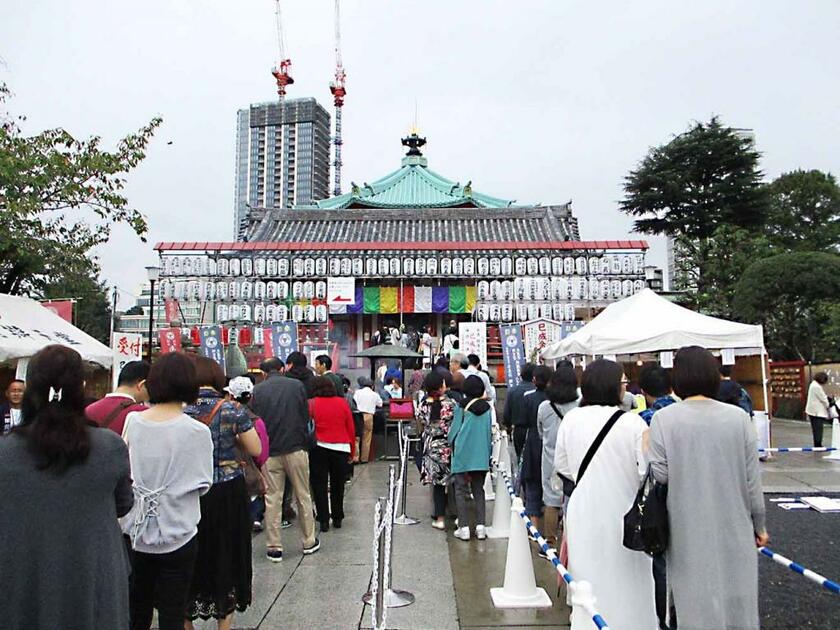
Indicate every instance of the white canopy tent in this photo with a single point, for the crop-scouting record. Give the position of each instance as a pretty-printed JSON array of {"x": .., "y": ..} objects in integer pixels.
[
  {"x": 647, "y": 322},
  {"x": 26, "y": 327}
]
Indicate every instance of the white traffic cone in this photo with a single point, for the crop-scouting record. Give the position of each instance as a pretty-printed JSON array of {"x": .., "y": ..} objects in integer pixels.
[
  {"x": 489, "y": 493},
  {"x": 504, "y": 455},
  {"x": 501, "y": 510},
  {"x": 835, "y": 441},
  {"x": 520, "y": 588}
]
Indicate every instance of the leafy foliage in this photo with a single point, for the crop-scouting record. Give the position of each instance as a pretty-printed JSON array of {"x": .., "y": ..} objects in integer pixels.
[
  {"x": 804, "y": 212},
  {"x": 794, "y": 295},
  {"x": 59, "y": 198}
]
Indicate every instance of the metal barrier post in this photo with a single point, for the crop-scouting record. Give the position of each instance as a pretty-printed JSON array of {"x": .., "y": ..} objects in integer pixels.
[
  {"x": 394, "y": 598},
  {"x": 403, "y": 518}
]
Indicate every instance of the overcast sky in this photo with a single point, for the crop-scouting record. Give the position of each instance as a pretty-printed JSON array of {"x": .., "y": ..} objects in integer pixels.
[{"x": 534, "y": 101}]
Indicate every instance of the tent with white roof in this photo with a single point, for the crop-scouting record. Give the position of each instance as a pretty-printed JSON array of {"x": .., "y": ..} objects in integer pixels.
[{"x": 26, "y": 327}]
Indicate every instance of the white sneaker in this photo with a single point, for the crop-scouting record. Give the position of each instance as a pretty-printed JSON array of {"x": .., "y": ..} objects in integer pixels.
[
  {"x": 480, "y": 532},
  {"x": 439, "y": 525},
  {"x": 462, "y": 533}
]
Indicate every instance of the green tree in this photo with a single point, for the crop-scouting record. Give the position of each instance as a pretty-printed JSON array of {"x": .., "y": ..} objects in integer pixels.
[
  {"x": 702, "y": 181},
  {"x": 59, "y": 198},
  {"x": 794, "y": 295},
  {"x": 804, "y": 212},
  {"x": 92, "y": 311}
]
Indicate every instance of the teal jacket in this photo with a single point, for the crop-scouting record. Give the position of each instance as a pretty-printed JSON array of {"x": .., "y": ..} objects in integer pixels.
[{"x": 471, "y": 438}]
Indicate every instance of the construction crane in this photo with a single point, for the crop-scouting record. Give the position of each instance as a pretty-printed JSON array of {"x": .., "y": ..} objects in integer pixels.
[
  {"x": 338, "y": 91},
  {"x": 282, "y": 75}
]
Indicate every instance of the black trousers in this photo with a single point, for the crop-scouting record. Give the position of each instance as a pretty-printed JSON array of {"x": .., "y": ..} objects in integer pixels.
[
  {"x": 163, "y": 579},
  {"x": 519, "y": 435},
  {"x": 438, "y": 501},
  {"x": 328, "y": 465},
  {"x": 817, "y": 424}
]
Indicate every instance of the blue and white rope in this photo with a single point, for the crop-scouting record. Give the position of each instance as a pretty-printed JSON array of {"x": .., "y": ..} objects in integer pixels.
[
  {"x": 832, "y": 586},
  {"x": 802, "y": 449},
  {"x": 550, "y": 553}
]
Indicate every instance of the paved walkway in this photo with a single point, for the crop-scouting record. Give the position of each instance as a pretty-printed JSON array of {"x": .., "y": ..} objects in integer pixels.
[{"x": 450, "y": 578}]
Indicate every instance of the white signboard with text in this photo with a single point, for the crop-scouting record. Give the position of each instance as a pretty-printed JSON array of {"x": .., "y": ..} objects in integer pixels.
[
  {"x": 341, "y": 291},
  {"x": 538, "y": 334},
  {"x": 126, "y": 347},
  {"x": 472, "y": 339}
]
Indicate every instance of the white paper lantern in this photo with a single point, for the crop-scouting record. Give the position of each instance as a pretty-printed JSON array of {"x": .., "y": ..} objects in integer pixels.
[
  {"x": 309, "y": 266},
  {"x": 469, "y": 266},
  {"x": 495, "y": 266},
  {"x": 594, "y": 266},
  {"x": 557, "y": 266},
  {"x": 270, "y": 290},
  {"x": 431, "y": 267},
  {"x": 408, "y": 266},
  {"x": 494, "y": 313},
  {"x": 520, "y": 266},
  {"x": 283, "y": 267},
  {"x": 222, "y": 266},
  {"x": 321, "y": 290},
  {"x": 545, "y": 311},
  {"x": 495, "y": 289},
  {"x": 420, "y": 266},
  {"x": 481, "y": 313},
  {"x": 446, "y": 266},
  {"x": 507, "y": 312},
  {"x": 519, "y": 289},
  {"x": 309, "y": 313},
  {"x": 245, "y": 313},
  {"x": 165, "y": 288},
  {"x": 358, "y": 266},
  {"x": 638, "y": 285},
  {"x": 457, "y": 266},
  {"x": 271, "y": 267},
  {"x": 247, "y": 267},
  {"x": 165, "y": 266},
  {"x": 185, "y": 266},
  {"x": 297, "y": 267},
  {"x": 577, "y": 293},
  {"x": 606, "y": 292},
  {"x": 483, "y": 267},
  {"x": 533, "y": 266},
  {"x": 282, "y": 313},
  {"x": 212, "y": 267},
  {"x": 308, "y": 290},
  {"x": 564, "y": 287},
  {"x": 482, "y": 290},
  {"x": 247, "y": 291},
  {"x": 271, "y": 313},
  {"x": 639, "y": 264},
  {"x": 283, "y": 288},
  {"x": 221, "y": 312},
  {"x": 580, "y": 265},
  {"x": 235, "y": 266},
  {"x": 394, "y": 266},
  {"x": 506, "y": 291},
  {"x": 321, "y": 313},
  {"x": 545, "y": 266},
  {"x": 615, "y": 265},
  {"x": 320, "y": 266},
  {"x": 335, "y": 266},
  {"x": 533, "y": 311},
  {"x": 370, "y": 266},
  {"x": 530, "y": 286},
  {"x": 234, "y": 290},
  {"x": 259, "y": 314},
  {"x": 347, "y": 267},
  {"x": 626, "y": 265},
  {"x": 297, "y": 290},
  {"x": 221, "y": 290},
  {"x": 627, "y": 288},
  {"x": 568, "y": 266},
  {"x": 605, "y": 265},
  {"x": 594, "y": 289},
  {"x": 259, "y": 290},
  {"x": 615, "y": 288},
  {"x": 558, "y": 312},
  {"x": 259, "y": 268},
  {"x": 297, "y": 313},
  {"x": 570, "y": 312},
  {"x": 382, "y": 266}
]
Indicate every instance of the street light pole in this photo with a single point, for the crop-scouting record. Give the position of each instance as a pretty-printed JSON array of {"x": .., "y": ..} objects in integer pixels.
[{"x": 153, "y": 275}]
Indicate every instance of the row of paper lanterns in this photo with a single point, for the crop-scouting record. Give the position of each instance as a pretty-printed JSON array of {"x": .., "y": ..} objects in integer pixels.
[
  {"x": 519, "y": 289},
  {"x": 611, "y": 264},
  {"x": 260, "y": 313}
]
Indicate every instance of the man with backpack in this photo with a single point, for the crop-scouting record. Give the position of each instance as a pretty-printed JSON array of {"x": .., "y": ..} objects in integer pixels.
[
  {"x": 732, "y": 393},
  {"x": 131, "y": 395}
]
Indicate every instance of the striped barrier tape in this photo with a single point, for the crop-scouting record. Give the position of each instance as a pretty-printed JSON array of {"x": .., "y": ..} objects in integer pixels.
[
  {"x": 550, "y": 552},
  {"x": 832, "y": 586},
  {"x": 798, "y": 449}
]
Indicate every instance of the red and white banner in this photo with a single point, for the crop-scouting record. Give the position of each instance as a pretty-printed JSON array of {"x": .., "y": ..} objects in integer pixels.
[
  {"x": 64, "y": 309},
  {"x": 173, "y": 310},
  {"x": 126, "y": 347},
  {"x": 170, "y": 340}
]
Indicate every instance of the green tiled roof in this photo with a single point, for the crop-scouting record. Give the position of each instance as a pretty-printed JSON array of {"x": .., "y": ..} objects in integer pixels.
[{"x": 413, "y": 186}]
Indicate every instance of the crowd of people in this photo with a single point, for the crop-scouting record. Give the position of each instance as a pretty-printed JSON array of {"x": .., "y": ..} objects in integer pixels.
[{"x": 159, "y": 485}]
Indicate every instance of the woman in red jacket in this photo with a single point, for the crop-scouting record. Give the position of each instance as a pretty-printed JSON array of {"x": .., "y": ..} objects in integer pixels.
[{"x": 335, "y": 435}]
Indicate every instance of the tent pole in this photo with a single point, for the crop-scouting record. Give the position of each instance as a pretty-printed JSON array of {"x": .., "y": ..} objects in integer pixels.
[{"x": 764, "y": 383}]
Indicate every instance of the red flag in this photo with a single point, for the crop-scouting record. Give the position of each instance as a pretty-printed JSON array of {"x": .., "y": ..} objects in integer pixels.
[
  {"x": 195, "y": 336},
  {"x": 64, "y": 309},
  {"x": 173, "y": 310},
  {"x": 268, "y": 350},
  {"x": 170, "y": 340},
  {"x": 407, "y": 300}
]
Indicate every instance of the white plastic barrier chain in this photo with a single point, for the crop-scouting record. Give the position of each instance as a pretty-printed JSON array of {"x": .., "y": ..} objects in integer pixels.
[
  {"x": 586, "y": 603},
  {"x": 832, "y": 586},
  {"x": 803, "y": 449}
]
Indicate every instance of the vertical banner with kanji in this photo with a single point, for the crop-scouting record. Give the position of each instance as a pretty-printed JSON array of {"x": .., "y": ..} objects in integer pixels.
[
  {"x": 540, "y": 333},
  {"x": 126, "y": 347},
  {"x": 513, "y": 352},
  {"x": 211, "y": 344},
  {"x": 170, "y": 340},
  {"x": 472, "y": 339},
  {"x": 173, "y": 310},
  {"x": 284, "y": 339}
]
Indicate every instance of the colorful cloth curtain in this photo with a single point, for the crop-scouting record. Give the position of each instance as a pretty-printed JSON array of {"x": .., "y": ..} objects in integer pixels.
[
  {"x": 440, "y": 299},
  {"x": 422, "y": 299},
  {"x": 389, "y": 300},
  {"x": 372, "y": 301}
]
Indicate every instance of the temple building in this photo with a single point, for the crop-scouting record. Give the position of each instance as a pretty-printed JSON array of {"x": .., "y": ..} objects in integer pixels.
[{"x": 412, "y": 248}]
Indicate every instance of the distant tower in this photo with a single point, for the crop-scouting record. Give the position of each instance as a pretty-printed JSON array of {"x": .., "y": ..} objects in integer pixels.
[{"x": 338, "y": 92}]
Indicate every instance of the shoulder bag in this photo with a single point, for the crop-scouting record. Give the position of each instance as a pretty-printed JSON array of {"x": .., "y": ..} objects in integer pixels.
[
  {"x": 568, "y": 484},
  {"x": 592, "y": 450},
  {"x": 646, "y": 524},
  {"x": 121, "y": 406}
]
